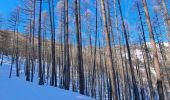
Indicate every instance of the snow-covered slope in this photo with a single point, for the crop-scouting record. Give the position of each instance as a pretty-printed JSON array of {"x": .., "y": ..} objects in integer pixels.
[{"x": 18, "y": 89}]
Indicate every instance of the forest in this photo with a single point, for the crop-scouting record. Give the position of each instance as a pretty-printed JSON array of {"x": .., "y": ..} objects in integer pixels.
[{"x": 103, "y": 49}]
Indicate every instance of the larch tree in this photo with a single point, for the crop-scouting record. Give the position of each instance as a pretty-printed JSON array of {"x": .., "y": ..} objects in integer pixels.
[
  {"x": 14, "y": 22},
  {"x": 53, "y": 81},
  {"x": 155, "y": 54},
  {"x": 79, "y": 46},
  {"x": 40, "y": 73},
  {"x": 110, "y": 66},
  {"x": 66, "y": 48}
]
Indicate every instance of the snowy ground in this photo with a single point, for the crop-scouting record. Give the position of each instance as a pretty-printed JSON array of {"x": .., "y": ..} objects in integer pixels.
[{"x": 18, "y": 89}]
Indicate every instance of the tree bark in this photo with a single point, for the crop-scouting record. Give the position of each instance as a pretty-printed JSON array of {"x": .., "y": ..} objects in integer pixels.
[
  {"x": 109, "y": 53},
  {"x": 154, "y": 50}
]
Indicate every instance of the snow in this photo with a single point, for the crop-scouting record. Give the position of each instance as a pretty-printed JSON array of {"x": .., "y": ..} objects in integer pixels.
[
  {"x": 165, "y": 44},
  {"x": 139, "y": 54},
  {"x": 18, "y": 89}
]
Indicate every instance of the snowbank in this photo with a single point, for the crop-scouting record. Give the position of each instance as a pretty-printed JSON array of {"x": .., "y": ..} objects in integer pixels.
[{"x": 18, "y": 89}]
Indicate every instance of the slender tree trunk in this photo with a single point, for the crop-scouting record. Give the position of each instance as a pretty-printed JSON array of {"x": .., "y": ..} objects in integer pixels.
[
  {"x": 135, "y": 88},
  {"x": 39, "y": 47},
  {"x": 53, "y": 76},
  {"x": 147, "y": 68},
  {"x": 155, "y": 55},
  {"x": 109, "y": 53},
  {"x": 66, "y": 48},
  {"x": 33, "y": 34},
  {"x": 79, "y": 47}
]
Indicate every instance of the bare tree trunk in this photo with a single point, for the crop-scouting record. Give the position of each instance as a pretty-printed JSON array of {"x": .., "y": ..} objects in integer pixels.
[
  {"x": 66, "y": 48},
  {"x": 79, "y": 47},
  {"x": 53, "y": 76},
  {"x": 39, "y": 47},
  {"x": 109, "y": 53},
  {"x": 155, "y": 55},
  {"x": 17, "y": 48},
  {"x": 33, "y": 34},
  {"x": 135, "y": 88},
  {"x": 147, "y": 68}
]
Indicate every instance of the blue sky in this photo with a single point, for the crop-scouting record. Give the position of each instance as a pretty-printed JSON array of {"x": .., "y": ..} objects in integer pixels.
[{"x": 6, "y": 6}]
